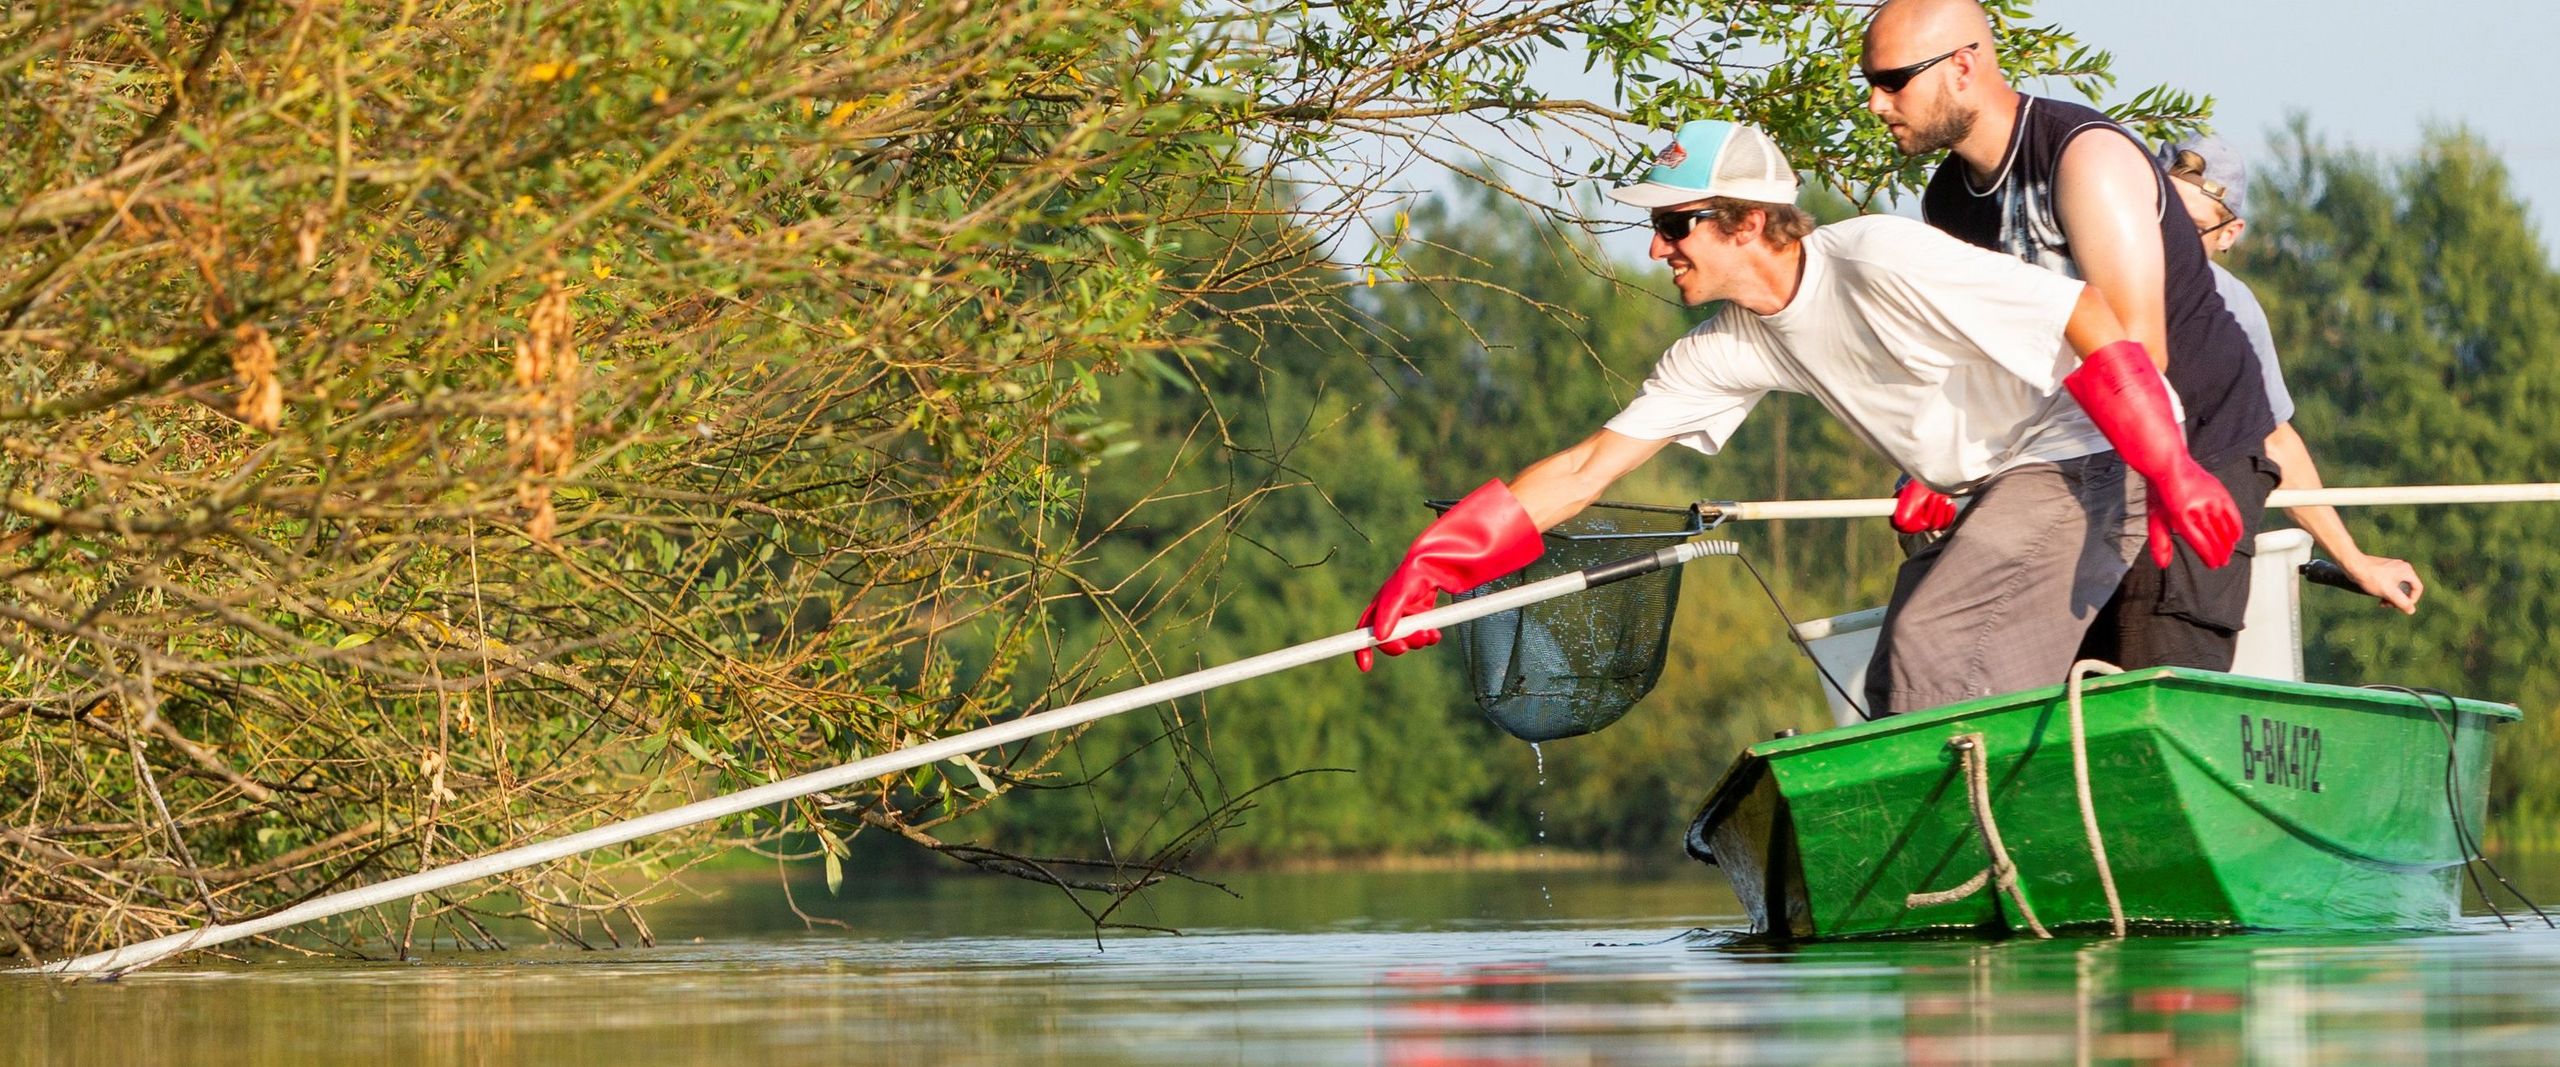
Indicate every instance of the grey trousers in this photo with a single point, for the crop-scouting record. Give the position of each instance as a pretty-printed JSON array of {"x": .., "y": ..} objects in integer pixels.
[{"x": 2001, "y": 602}]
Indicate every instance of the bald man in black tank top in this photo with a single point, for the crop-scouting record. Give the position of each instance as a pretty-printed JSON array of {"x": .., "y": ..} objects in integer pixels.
[{"x": 2061, "y": 186}]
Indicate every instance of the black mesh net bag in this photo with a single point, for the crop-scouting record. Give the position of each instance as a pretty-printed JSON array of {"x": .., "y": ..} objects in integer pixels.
[{"x": 1571, "y": 665}]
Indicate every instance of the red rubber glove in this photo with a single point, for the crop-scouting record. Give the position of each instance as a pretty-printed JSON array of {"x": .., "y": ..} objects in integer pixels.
[
  {"x": 2125, "y": 395},
  {"x": 1481, "y": 538},
  {"x": 1920, "y": 509}
]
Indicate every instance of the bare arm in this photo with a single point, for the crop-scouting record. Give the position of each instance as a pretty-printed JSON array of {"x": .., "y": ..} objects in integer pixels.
[
  {"x": 2093, "y": 324},
  {"x": 1560, "y": 486},
  {"x": 2108, "y": 198},
  {"x": 2381, "y": 576}
]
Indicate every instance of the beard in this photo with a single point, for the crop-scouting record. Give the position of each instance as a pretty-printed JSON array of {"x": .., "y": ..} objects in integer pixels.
[{"x": 1940, "y": 134}]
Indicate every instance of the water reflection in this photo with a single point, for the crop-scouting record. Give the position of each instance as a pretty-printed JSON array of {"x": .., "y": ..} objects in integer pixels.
[{"x": 1416, "y": 969}]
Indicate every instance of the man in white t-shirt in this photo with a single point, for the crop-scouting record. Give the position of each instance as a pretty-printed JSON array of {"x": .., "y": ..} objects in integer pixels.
[{"x": 1951, "y": 361}]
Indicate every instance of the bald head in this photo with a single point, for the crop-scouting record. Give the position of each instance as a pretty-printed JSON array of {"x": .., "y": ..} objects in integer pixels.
[
  {"x": 1933, "y": 70},
  {"x": 1908, "y": 31}
]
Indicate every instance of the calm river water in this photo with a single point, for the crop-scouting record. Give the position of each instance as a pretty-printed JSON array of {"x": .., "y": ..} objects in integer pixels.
[{"x": 1421, "y": 968}]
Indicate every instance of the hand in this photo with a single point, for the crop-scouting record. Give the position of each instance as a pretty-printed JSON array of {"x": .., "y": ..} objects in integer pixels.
[
  {"x": 2189, "y": 501},
  {"x": 1407, "y": 592},
  {"x": 1920, "y": 509},
  {"x": 2129, "y": 401},
  {"x": 2392, "y": 581},
  {"x": 1481, "y": 538}
]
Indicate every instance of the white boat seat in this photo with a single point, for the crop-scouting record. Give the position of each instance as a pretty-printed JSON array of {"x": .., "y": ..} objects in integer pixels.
[{"x": 2270, "y": 643}]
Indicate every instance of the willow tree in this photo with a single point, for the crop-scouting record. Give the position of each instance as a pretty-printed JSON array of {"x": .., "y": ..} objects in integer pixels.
[{"x": 435, "y": 425}]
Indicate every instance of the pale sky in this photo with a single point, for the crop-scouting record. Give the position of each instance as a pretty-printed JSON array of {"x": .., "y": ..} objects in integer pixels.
[{"x": 2367, "y": 74}]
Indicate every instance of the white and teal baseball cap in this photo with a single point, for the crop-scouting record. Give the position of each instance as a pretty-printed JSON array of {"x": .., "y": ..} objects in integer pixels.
[{"x": 1712, "y": 157}]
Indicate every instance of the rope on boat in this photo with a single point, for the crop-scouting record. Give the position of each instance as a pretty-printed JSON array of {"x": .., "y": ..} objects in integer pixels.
[
  {"x": 1970, "y": 887},
  {"x": 1977, "y": 785},
  {"x": 1977, "y": 782},
  {"x": 2080, "y": 671}
]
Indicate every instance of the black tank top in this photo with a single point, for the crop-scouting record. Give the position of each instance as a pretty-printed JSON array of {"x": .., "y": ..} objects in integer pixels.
[{"x": 2210, "y": 362}]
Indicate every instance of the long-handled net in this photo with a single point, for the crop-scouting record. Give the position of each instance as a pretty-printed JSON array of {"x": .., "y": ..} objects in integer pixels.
[
  {"x": 1573, "y": 665},
  {"x": 1631, "y": 568}
]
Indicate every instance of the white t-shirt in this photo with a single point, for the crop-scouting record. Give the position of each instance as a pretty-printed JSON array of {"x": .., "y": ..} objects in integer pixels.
[{"x": 1946, "y": 358}]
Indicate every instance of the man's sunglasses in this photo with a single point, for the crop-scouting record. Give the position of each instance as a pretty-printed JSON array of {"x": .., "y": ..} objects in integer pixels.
[
  {"x": 1677, "y": 225},
  {"x": 1898, "y": 78},
  {"x": 2188, "y": 166}
]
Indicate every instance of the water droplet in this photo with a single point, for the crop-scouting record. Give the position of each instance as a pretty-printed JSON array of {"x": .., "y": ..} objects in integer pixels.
[{"x": 1542, "y": 825}]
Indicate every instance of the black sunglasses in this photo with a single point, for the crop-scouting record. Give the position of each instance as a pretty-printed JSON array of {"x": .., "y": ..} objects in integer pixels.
[
  {"x": 1677, "y": 225},
  {"x": 1896, "y": 79},
  {"x": 2188, "y": 167}
]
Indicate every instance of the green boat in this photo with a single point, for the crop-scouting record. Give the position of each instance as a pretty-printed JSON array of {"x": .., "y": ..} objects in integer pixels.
[{"x": 2220, "y": 802}]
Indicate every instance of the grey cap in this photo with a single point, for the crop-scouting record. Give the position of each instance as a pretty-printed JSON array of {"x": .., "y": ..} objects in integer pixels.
[{"x": 2223, "y": 177}]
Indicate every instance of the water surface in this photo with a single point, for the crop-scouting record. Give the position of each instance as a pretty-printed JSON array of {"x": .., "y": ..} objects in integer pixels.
[{"x": 1415, "y": 968}]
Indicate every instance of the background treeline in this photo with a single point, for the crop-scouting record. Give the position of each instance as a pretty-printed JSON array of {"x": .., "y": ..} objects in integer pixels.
[{"x": 2410, "y": 297}]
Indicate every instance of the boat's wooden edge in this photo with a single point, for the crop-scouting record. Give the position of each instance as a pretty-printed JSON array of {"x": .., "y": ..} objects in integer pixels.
[{"x": 1737, "y": 782}]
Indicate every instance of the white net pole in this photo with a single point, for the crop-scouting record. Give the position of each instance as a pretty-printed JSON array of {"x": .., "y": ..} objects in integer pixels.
[
  {"x": 2373, "y": 496},
  {"x": 114, "y": 961}
]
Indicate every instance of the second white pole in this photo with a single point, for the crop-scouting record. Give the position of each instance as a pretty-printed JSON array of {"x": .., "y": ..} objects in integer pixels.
[{"x": 2369, "y": 496}]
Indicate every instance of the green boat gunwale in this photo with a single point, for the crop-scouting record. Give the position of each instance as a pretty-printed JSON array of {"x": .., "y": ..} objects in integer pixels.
[{"x": 2183, "y": 676}]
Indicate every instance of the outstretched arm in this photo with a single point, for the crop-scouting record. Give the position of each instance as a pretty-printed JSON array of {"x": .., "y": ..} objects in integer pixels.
[
  {"x": 2094, "y": 323},
  {"x": 2392, "y": 581},
  {"x": 1494, "y": 531},
  {"x": 1560, "y": 486}
]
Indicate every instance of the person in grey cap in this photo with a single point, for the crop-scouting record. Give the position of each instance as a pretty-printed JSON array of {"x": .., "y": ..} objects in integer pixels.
[
  {"x": 2212, "y": 183},
  {"x": 1970, "y": 370}
]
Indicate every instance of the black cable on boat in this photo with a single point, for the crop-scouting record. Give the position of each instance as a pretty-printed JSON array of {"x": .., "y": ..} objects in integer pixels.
[
  {"x": 1772, "y": 594},
  {"x": 2461, "y": 825},
  {"x": 2453, "y": 800},
  {"x": 2472, "y": 852}
]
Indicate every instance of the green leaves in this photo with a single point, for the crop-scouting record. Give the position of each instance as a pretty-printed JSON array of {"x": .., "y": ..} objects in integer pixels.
[
  {"x": 833, "y": 851},
  {"x": 977, "y": 774}
]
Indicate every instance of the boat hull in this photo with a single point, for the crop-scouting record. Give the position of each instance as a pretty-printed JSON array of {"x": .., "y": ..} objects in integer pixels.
[{"x": 2225, "y": 802}]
